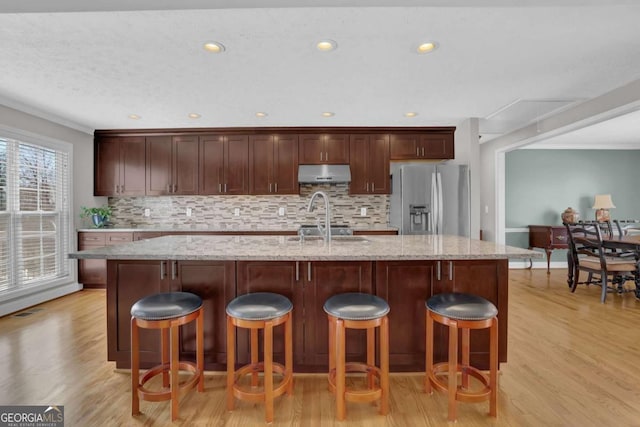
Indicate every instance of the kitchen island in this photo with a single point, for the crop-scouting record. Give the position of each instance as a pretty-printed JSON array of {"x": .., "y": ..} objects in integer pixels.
[{"x": 404, "y": 270}]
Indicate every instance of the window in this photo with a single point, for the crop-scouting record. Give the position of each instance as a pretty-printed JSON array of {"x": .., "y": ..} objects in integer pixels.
[{"x": 34, "y": 215}]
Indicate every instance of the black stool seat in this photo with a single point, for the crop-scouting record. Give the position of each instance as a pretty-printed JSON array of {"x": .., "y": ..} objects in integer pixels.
[
  {"x": 356, "y": 306},
  {"x": 166, "y": 306},
  {"x": 462, "y": 306},
  {"x": 259, "y": 306}
]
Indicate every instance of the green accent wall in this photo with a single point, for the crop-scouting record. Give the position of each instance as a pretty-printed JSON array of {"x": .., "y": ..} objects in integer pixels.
[{"x": 541, "y": 184}]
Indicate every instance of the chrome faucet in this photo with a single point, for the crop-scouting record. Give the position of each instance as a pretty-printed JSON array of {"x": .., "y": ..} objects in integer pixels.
[{"x": 326, "y": 230}]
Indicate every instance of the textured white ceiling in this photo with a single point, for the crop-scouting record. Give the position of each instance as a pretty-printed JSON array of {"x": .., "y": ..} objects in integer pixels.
[{"x": 93, "y": 69}]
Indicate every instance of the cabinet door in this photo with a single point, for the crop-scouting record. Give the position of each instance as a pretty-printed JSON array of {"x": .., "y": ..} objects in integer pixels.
[
  {"x": 485, "y": 278},
  {"x": 211, "y": 164},
  {"x": 159, "y": 165},
  {"x": 260, "y": 164},
  {"x": 92, "y": 273},
  {"x": 328, "y": 279},
  {"x": 285, "y": 165},
  {"x": 336, "y": 149},
  {"x": 279, "y": 277},
  {"x": 311, "y": 149},
  {"x": 132, "y": 166},
  {"x": 359, "y": 164},
  {"x": 107, "y": 167},
  {"x": 379, "y": 179},
  {"x": 406, "y": 286},
  {"x": 404, "y": 147},
  {"x": 236, "y": 174},
  {"x": 437, "y": 146},
  {"x": 214, "y": 282},
  {"x": 184, "y": 168}
]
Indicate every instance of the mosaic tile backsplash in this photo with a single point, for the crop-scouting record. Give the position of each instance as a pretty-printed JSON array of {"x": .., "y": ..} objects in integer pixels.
[{"x": 254, "y": 211}]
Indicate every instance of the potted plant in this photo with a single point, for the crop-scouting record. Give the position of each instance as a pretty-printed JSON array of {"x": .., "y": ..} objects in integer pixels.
[{"x": 99, "y": 215}]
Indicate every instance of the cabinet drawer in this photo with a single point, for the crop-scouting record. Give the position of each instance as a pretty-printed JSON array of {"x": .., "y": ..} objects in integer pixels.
[
  {"x": 118, "y": 238},
  {"x": 91, "y": 239},
  {"x": 559, "y": 237}
]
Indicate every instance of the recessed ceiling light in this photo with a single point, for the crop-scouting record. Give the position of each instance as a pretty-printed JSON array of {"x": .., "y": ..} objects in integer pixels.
[
  {"x": 426, "y": 47},
  {"x": 328, "y": 114},
  {"x": 261, "y": 114},
  {"x": 214, "y": 47},
  {"x": 410, "y": 114},
  {"x": 194, "y": 115},
  {"x": 134, "y": 117},
  {"x": 326, "y": 45}
]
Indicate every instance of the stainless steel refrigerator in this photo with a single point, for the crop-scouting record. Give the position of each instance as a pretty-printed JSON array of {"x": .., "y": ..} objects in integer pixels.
[{"x": 430, "y": 199}]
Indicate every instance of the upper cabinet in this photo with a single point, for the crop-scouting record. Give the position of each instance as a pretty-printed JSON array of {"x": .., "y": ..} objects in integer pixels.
[
  {"x": 273, "y": 164},
  {"x": 369, "y": 162},
  {"x": 432, "y": 145},
  {"x": 119, "y": 168},
  {"x": 317, "y": 149},
  {"x": 224, "y": 164},
  {"x": 172, "y": 165}
]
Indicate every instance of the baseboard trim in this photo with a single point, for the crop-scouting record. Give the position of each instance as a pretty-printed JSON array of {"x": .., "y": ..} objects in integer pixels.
[
  {"x": 37, "y": 297},
  {"x": 524, "y": 263}
]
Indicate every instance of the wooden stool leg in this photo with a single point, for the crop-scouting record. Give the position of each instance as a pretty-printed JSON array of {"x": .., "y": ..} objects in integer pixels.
[
  {"x": 200, "y": 348},
  {"x": 288, "y": 351},
  {"x": 453, "y": 369},
  {"x": 371, "y": 355},
  {"x": 254, "y": 357},
  {"x": 384, "y": 365},
  {"x": 428, "y": 353},
  {"x": 493, "y": 373},
  {"x": 135, "y": 366},
  {"x": 175, "y": 386},
  {"x": 268, "y": 370},
  {"x": 465, "y": 358},
  {"x": 231, "y": 358},
  {"x": 341, "y": 411},
  {"x": 164, "y": 350},
  {"x": 332, "y": 344}
]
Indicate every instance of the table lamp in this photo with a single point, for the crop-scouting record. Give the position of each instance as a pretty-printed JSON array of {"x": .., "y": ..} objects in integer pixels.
[{"x": 602, "y": 204}]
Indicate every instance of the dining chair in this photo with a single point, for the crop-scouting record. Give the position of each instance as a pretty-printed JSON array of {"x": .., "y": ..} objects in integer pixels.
[
  {"x": 607, "y": 269},
  {"x": 627, "y": 226}
]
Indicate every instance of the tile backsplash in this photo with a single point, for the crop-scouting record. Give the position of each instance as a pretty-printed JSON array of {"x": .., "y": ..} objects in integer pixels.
[{"x": 254, "y": 211}]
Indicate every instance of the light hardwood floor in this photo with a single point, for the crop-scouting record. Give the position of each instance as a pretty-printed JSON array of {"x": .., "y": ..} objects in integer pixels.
[{"x": 572, "y": 362}]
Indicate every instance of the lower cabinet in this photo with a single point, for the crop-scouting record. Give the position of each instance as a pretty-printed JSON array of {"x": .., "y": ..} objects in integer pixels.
[
  {"x": 406, "y": 285},
  {"x": 128, "y": 281},
  {"x": 92, "y": 273},
  {"x": 307, "y": 285}
]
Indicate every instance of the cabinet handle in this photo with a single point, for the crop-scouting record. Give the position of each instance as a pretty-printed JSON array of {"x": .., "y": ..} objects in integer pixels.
[
  {"x": 115, "y": 190},
  {"x": 309, "y": 271},
  {"x": 174, "y": 267},
  {"x": 451, "y": 270},
  {"x": 326, "y": 156},
  {"x": 367, "y": 187},
  {"x": 276, "y": 187},
  {"x": 297, "y": 271},
  {"x": 219, "y": 188},
  {"x": 417, "y": 151},
  {"x": 438, "y": 276},
  {"x": 225, "y": 187},
  {"x": 175, "y": 188},
  {"x": 422, "y": 151},
  {"x": 122, "y": 189},
  {"x": 162, "y": 266},
  {"x": 373, "y": 187},
  {"x": 269, "y": 187},
  {"x": 168, "y": 188},
  {"x": 321, "y": 156}
]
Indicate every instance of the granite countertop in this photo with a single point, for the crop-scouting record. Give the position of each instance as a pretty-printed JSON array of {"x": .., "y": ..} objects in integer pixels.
[
  {"x": 289, "y": 248},
  {"x": 219, "y": 229}
]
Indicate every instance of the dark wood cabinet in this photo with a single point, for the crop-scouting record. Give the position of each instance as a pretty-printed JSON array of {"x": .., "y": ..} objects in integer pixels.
[
  {"x": 224, "y": 164},
  {"x": 406, "y": 285},
  {"x": 273, "y": 164},
  {"x": 92, "y": 273},
  {"x": 128, "y": 281},
  {"x": 315, "y": 149},
  {"x": 307, "y": 285},
  {"x": 435, "y": 145},
  {"x": 172, "y": 165},
  {"x": 549, "y": 238},
  {"x": 369, "y": 162},
  {"x": 119, "y": 166}
]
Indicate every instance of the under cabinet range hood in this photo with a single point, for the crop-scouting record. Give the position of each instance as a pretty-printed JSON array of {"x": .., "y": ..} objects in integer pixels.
[{"x": 324, "y": 174}]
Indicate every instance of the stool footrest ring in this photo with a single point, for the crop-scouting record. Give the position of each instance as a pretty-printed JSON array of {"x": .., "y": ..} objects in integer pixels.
[
  {"x": 359, "y": 395},
  {"x": 165, "y": 394},
  {"x": 257, "y": 394},
  {"x": 438, "y": 379}
]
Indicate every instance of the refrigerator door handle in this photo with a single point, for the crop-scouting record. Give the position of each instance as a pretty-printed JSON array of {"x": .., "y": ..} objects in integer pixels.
[
  {"x": 440, "y": 205},
  {"x": 433, "y": 217}
]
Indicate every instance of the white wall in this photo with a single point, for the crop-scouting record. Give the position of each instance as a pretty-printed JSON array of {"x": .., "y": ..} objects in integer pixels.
[
  {"x": 468, "y": 152},
  {"x": 21, "y": 123}
]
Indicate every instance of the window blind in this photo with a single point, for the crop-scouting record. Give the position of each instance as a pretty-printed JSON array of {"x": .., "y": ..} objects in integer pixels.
[{"x": 34, "y": 215}]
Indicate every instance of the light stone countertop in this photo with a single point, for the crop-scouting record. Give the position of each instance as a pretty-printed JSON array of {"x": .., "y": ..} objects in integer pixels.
[
  {"x": 289, "y": 248},
  {"x": 219, "y": 229}
]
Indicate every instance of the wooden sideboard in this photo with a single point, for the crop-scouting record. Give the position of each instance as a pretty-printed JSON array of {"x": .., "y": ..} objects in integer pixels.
[{"x": 548, "y": 237}]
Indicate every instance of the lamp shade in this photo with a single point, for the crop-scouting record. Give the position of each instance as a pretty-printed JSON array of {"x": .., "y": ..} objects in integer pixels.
[{"x": 603, "y": 201}]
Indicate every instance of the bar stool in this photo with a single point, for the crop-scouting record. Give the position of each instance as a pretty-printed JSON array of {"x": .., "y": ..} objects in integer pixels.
[
  {"x": 260, "y": 310},
  {"x": 358, "y": 311},
  {"x": 167, "y": 312},
  {"x": 465, "y": 312}
]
